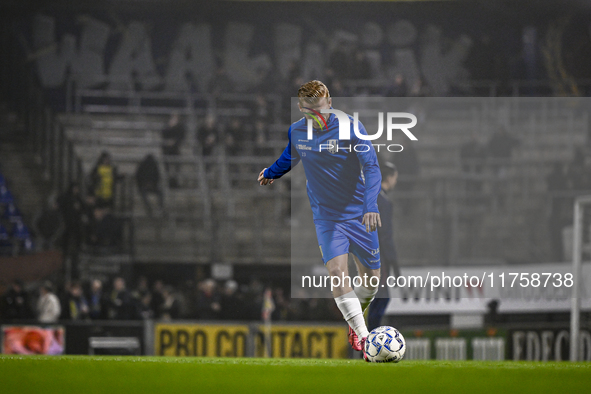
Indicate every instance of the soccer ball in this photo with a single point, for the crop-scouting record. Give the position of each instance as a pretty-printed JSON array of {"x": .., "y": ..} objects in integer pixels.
[{"x": 385, "y": 344}]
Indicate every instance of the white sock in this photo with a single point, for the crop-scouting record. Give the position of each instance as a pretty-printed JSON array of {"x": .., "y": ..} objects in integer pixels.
[
  {"x": 350, "y": 307},
  {"x": 365, "y": 295}
]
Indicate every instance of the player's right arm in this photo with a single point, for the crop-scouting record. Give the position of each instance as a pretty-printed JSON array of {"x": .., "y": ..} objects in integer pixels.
[{"x": 288, "y": 159}]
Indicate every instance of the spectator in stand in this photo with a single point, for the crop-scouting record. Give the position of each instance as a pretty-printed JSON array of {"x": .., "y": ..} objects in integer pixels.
[
  {"x": 282, "y": 309},
  {"x": 207, "y": 135},
  {"x": 231, "y": 303},
  {"x": 338, "y": 90},
  {"x": 398, "y": 88},
  {"x": 73, "y": 212},
  {"x": 121, "y": 306},
  {"x": 185, "y": 295},
  {"x": 157, "y": 297},
  {"x": 420, "y": 88},
  {"x": 254, "y": 294},
  {"x": 147, "y": 177},
  {"x": 49, "y": 224},
  {"x": 15, "y": 303},
  {"x": 48, "y": 305},
  {"x": 360, "y": 67},
  {"x": 75, "y": 306},
  {"x": 236, "y": 138},
  {"x": 170, "y": 308},
  {"x": 144, "y": 307},
  {"x": 102, "y": 179},
  {"x": 142, "y": 298},
  {"x": 208, "y": 302},
  {"x": 97, "y": 303},
  {"x": 500, "y": 149},
  {"x": 141, "y": 288},
  {"x": 172, "y": 139}
]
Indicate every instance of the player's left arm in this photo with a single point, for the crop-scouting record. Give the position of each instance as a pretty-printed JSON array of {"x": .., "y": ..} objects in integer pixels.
[{"x": 373, "y": 181}]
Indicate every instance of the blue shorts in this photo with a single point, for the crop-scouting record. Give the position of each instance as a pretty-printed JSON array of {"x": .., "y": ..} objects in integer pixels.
[{"x": 337, "y": 238}]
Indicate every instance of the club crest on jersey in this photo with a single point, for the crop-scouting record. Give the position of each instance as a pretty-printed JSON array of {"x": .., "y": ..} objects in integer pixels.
[{"x": 333, "y": 146}]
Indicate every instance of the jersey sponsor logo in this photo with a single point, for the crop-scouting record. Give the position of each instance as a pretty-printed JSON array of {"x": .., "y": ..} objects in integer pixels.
[
  {"x": 333, "y": 146},
  {"x": 229, "y": 340},
  {"x": 303, "y": 147}
]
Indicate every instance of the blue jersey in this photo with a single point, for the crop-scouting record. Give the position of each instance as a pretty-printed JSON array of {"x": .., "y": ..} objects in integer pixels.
[{"x": 342, "y": 184}]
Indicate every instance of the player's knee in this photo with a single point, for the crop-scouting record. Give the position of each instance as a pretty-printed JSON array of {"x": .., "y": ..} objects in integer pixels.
[
  {"x": 374, "y": 281},
  {"x": 335, "y": 270}
]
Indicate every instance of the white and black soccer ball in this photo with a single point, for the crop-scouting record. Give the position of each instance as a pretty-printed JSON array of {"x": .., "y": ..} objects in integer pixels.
[{"x": 385, "y": 344}]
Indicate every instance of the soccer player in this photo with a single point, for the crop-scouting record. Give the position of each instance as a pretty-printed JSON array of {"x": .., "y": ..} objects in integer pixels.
[
  {"x": 343, "y": 184},
  {"x": 389, "y": 257}
]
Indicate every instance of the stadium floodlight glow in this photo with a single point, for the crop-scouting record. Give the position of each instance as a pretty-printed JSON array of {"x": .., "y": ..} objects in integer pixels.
[{"x": 575, "y": 315}]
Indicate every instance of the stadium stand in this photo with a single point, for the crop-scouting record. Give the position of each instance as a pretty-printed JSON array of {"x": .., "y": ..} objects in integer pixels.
[{"x": 213, "y": 211}]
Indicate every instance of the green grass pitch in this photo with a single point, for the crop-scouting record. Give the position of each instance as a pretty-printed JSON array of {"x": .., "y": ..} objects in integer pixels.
[{"x": 127, "y": 374}]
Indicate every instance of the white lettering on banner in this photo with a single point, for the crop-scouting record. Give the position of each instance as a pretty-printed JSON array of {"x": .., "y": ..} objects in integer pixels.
[
  {"x": 430, "y": 298},
  {"x": 547, "y": 345},
  {"x": 134, "y": 57},
  {"x": 84, "y": 57},
  {"x": 191, "y": 56},
  {"x": 85, "y": 54}
]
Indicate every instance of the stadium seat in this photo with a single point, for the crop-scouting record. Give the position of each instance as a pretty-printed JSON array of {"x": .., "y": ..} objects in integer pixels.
[
  {"x": 20, "y": 231},
  {"x": 12, "y": 214},
  {"x": 5, "y": 195}
]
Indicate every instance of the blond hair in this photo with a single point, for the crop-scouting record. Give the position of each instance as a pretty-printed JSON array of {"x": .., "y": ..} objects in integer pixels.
[{"x": 311, "y": 92}]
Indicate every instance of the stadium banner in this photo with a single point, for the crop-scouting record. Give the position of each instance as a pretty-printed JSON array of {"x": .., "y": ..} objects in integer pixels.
[
  {"x": 152, "y": 50},
  {"x": 511, "y": 295},
  {"x": 33, "y": 340},
  {"x": 78, "y": 334},
  {"x": 289, "y": 341},
  {"x": 544, "y": 342},
  {"x": 452, "y": 344},
  {"x": 236, "y": 340},
  {"x": 201, "y": 340},
  {"x": 551, "y": 344}
]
